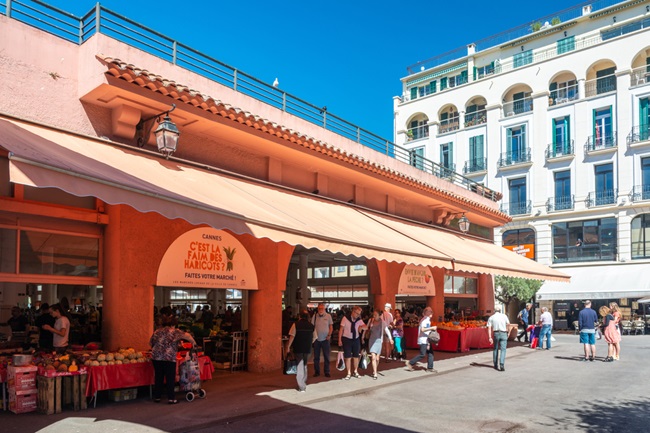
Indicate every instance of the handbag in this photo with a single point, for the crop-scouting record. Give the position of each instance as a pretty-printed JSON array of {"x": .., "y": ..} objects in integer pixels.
[
  {"x": 364, "y": 360},
  {"x": 340, "y": 362},
  {"x": 290, "y": 364},
  {"x": 433, "y": 337}
]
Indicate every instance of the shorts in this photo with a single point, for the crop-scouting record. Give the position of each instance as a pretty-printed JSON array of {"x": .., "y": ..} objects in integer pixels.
[
  {"x": 351, "y": 348},
  {"x": 587, "y": 338}
]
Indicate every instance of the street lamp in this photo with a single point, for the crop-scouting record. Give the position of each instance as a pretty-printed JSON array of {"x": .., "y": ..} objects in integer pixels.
[
  {"x": 463, "y": 224},
  {"x": 166, "y": 133}
]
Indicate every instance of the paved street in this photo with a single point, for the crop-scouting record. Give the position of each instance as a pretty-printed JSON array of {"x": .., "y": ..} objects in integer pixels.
[{"x": 540, "y": 391}]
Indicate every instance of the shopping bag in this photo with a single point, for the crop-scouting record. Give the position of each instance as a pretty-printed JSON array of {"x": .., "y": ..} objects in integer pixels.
[
  {"x": 364, "y": 360},
  {"x": 290, "y": 364},
  {"x": 340, "y": 362}
]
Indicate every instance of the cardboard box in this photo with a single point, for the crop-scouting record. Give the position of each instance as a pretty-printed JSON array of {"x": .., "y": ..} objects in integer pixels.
[
  {"x": 21, "y": 378},
  {"x": 123, "y": 394},
  {"x": 23, "y": 401}
]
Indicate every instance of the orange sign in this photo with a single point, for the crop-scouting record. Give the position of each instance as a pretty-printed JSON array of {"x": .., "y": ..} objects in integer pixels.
[
  {"x": 207, "y": 258},
  {"x": 526, "y": 250},
  {"x": 416, "y": 280}
]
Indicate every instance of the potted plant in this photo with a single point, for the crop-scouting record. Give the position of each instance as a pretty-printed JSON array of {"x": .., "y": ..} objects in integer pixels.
[
  {"x": 555, "y": 21},
  {"x": 536, "y": 26}
]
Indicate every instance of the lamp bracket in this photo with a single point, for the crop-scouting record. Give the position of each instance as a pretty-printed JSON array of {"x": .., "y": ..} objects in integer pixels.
[{"x": 144, "y": 126}]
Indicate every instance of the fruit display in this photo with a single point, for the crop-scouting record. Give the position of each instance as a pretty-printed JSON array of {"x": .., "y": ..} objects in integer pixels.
[
  {"x": 459, "y": 326},
  {"x": 122, "y": 356}
]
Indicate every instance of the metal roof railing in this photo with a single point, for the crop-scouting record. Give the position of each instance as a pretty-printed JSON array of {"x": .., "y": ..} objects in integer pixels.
[{"x": 101, "y": 20}]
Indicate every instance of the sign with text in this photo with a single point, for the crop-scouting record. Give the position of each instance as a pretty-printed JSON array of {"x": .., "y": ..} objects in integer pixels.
[
  {"x": 526, "y": 250},
  {"x": 208, "y": 258},
  {"x": 416, "y": 280}
]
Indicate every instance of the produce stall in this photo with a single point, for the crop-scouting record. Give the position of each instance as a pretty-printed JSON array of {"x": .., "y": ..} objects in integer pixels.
[{"x": 454, "y": 336}]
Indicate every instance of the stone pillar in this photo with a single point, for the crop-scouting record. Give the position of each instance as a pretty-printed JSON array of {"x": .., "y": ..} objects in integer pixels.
[
  {"x": 303, "y": 291},
  {"x": 581, "y": 88},
  {"x": 437, "y": 303},
  {"x": 485, "y": 294},
  {"x": 265, "y": 304},
  {"x": 384, "y": 279}
]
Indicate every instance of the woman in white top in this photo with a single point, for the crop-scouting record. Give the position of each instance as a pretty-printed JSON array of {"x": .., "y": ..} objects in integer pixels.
[
  {"x": 350, "y": 340},
  {"x": 425, "y": 348},
  {"x": 61, "y": 329}
]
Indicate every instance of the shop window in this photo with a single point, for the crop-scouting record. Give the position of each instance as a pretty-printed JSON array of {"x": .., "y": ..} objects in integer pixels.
[
  {"x": 339, "y": 271},
  {"x": 641, "y": 237},
  {"x": 461, "y": 285},
  {"x": 358, "y": 271},
  {"x": 580, "y": 241},
  {"x": 323, "y": 272},
  {"x": 233, "y": 294}
]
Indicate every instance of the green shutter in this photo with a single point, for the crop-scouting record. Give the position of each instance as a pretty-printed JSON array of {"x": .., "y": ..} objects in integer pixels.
[
  {"x": 432, "y": 86},
  {"x": 524, "y": 142},
  {"x": 451, "y": 155},
  {"x": 414, "y": 92},
  {"x": 509, "y": 140},
  {"x": 479, "y": 150},
  {"x": 474, "y": 73},
  {"x": 463, "y": 77},
  {"x": 443, "y": 83},
  {"x": 472, "y": 149},
  {"x": 567, "y": 134},
  {"x": 554, "y": 134},
  {"x": 644, "y": 119},
  {"x": 593, "y": 122}
]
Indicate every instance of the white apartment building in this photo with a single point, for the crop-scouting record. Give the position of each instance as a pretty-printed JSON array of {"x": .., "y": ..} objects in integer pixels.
[{"x": 555, "y": 115}]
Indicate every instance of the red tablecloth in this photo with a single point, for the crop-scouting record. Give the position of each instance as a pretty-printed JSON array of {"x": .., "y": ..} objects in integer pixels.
[
  {"x": 474, "y": 338},
  {"x": 133, "y": 375},
  {"x": 411, "y": 337},
  {"x": 449, "y": 340}
]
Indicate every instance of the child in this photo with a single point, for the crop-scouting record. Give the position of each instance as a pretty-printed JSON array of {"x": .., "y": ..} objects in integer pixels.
[{"x": 398, "y": 335}]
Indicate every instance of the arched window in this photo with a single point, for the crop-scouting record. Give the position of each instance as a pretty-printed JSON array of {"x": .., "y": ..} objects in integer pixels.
[{"x": 641, "y": 237}]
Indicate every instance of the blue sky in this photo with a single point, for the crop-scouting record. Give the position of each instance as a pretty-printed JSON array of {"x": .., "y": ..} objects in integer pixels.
[{"x": 346, "y": 55}]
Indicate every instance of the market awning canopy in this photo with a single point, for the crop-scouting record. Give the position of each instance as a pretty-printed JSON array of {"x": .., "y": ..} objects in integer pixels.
[
  {"x": 117, "y": 174},
  {"x": 626, "y": 280}
]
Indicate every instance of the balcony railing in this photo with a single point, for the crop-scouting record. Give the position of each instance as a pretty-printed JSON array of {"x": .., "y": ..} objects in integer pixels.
[
  {"x": 640, "y": 193},
  {"x": 601, "y": 198},
  {"x": 475, "y": 118},
  {"x": 517, "y": 208},
  {"x": 518, "y": 106},
  {"x": 638, "y": 134},
  {"x": 600, "y": 85},
  {"x": 514, "y": 157},
  {"x": 557, "y": 150},
  {"x": 449, "y": 125},
  {"x": 475, "y": 165},
  {"x": 563, "y": 95},
  {"x": 600, "y": 142},
  {"x": 640, "y": 76},
  {"x": 560, "y": 203},
  {"x": 418, "y": 132},
  {"x": 100, "y": 20}
]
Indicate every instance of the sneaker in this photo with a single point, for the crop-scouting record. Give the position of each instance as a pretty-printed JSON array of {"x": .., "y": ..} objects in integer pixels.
[
  {"x": 409, "y": 367},
  {"x": 502, "y": 368},
  {"x": 302, "y": 390}
]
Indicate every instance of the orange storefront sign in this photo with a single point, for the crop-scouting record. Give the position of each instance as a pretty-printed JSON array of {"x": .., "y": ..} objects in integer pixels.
[
  {"x": 416, "y": 280},
  {"x": 526, "y": 250},
  {"x": 207, "y": 258}
]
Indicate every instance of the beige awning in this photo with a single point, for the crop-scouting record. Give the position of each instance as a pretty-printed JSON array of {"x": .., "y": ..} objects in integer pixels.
[{"x": 118, "y": 174}]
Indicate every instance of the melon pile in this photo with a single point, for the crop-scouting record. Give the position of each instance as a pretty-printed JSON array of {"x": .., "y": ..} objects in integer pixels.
[{"x": 122, "y": 356}]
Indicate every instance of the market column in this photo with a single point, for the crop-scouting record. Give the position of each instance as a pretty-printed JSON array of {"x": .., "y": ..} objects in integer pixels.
[
  {"x": 437, "y": 303},
  {"x": 265, "y": 304},
  {"x": 384, "y": 280},
  {"x": 485, "y": 294}
]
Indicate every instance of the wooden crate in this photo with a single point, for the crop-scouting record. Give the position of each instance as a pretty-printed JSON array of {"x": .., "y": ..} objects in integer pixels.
[{"x": 55, "y": 392}]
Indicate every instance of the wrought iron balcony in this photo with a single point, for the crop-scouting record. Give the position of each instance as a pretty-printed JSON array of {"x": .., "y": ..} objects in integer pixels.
[
  {"x": 601, "y": 198},
  {"x": 600, "y": 142},
  {"x": 638, "y": 134},
  {"x": 475, "y": 118},
  {"x": 475, "y": 165},
  {"x": 514, "y": 157},
  {"x": 640, "y": 193},
  {"x": 563, "y": 95},
  {"x": 565, "y": 202},
  {"x": 417, "y": 133},
  {"x": 518, "y": 106},
  {"x": 448, "y": 125},
  {"x": 558, "y": 150},
  {"x": 600, "y": 85},
  {"x": 517, "y": 208}
]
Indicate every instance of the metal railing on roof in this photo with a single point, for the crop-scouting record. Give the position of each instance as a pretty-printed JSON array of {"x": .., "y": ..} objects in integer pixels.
[
  {"x": 101, "y": 20},
  {"x": 508, "y": 35}
]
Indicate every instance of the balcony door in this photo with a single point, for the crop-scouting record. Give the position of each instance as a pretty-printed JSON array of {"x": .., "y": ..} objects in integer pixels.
[
  {"x": 645, "y": 178},
  {"x": 516, "y": 142},
  {"x": 561, "y": 136},
  {"x": 517, "y": 190},
  {"x": 563, "y": 190},
  {"x": 603, "y": 133},
  {"x": 604, "y": 184}
]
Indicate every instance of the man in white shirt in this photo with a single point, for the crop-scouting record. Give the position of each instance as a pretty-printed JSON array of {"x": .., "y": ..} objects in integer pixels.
[
  {"x": 498, "y": 324},
  {"x": 546, "y": 322},
  {"x": 323, "y": 326}
]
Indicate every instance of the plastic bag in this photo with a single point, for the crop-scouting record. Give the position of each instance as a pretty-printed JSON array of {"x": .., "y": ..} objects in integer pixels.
[
  {"x": 290, "y": 364},
  {"x": 340, "y": 362},
  {"x": 364, "y": 360}
]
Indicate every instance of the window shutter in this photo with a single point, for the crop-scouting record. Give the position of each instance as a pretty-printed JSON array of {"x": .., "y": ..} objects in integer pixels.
[
  {"x": 474, "y": 73},
  {"x": 567, "y": 134},
  {"x": 442, "y": 154},
  {"x": 509, "y": 140},
  {"x": 479, "y": 151},
  {"x": 472, "y": 149},
  {"x": 554, "y": 133},
  {"x": 523, "y": 138},
  {"x": 463, "y": 77},
  {"x": 414, "y": 93},
  {"x": 451, "y": 155},
  {"x": 644, "y": 119},
  {"x": 443, "y": 83},
  {"x": 432, "y": 86}
]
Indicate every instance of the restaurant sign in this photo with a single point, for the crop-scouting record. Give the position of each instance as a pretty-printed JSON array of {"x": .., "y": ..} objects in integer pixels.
[
  {"x": 207, "y": 258},
  {"x": 416, "y": 280}
]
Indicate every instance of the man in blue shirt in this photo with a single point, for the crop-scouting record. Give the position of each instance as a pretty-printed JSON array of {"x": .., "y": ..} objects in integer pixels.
[
  {"x": 523, "y": 321},
  {"x": 586, "y": 324}
]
